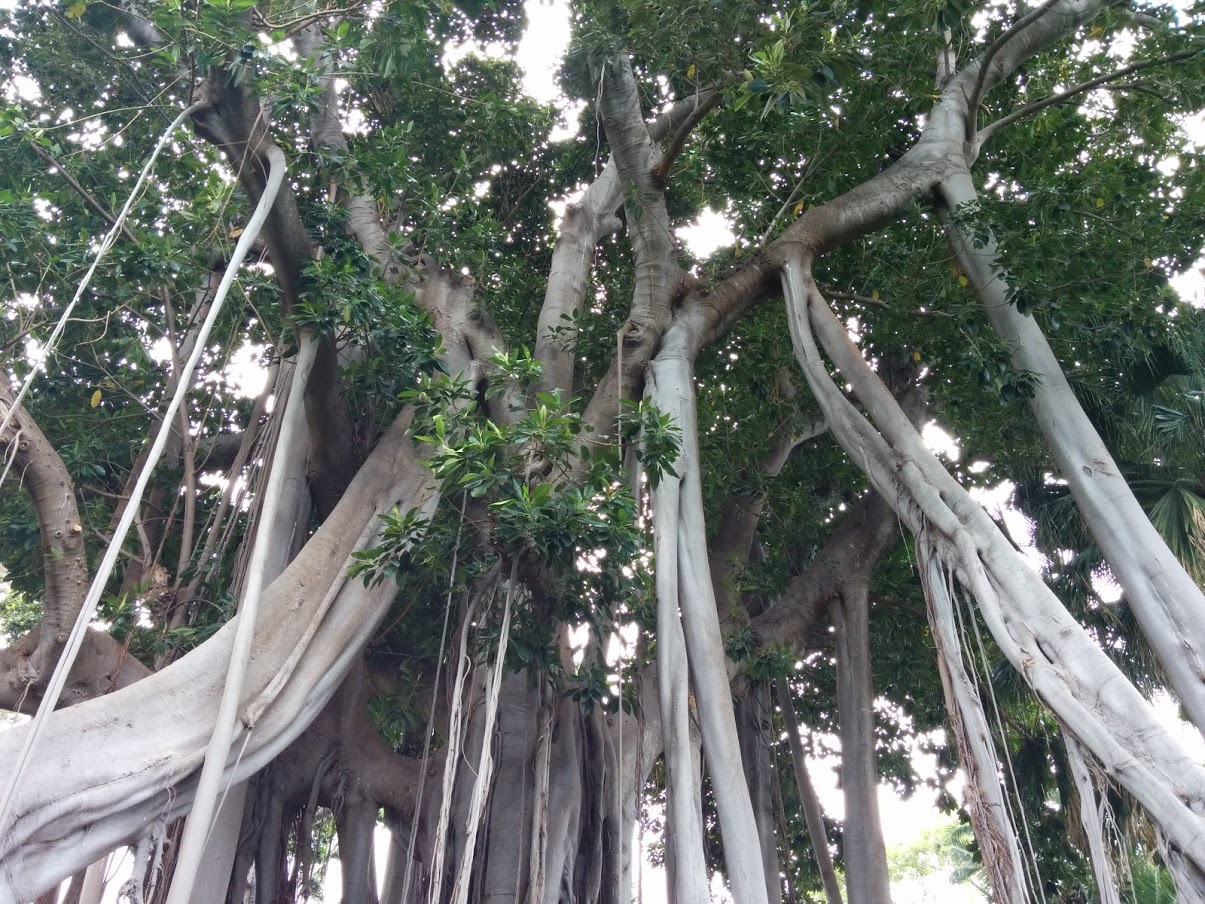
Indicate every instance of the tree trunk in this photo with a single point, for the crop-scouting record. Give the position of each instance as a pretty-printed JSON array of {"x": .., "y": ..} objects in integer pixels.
[
  {"x": 866, "y": 879},
  {"x": 672, "y": 390},
  {"x": 813, "y": 814},
  {"x": 506, "y": 845},
  {"x": 355, "y": 824},
  {"x": 753, "y": 726}
]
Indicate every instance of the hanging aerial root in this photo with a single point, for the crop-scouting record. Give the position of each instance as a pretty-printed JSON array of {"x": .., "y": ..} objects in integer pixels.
[
  {"x": 1093, "y": 821},
  {"x": 685, "y": 860},
  {"x": 986, "y": 798},
  {"x": 455, "y": 740},
  {"x": 76, "y": 638},
  {"x": 485, "y": 764},
  {"x": 1065, "y": 667}
]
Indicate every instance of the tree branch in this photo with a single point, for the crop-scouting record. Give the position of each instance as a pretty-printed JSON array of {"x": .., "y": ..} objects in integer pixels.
[
  {"x": 989, "y": 55},
  {"x": 88, "y": 197},
  {"x": 707, "y": 312},
  {"x": 867, "y": 533},
  {"x": 705, "y": 103},
  {"x": 986, "y": 133},
  {"x": 586, "y": 221},
  {"x": 50, "y": 488},
  {"x": 656, "y": 274}
]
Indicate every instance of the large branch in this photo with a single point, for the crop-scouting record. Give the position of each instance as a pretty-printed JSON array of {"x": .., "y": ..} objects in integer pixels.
[
  {"x": 233, "y": 120},
  {"x": 636, "y": 156},
  {"x": 587, "y": 220},
  {"x": 706, "y": 313},
  {"x": 868, "y": 531},
  {"x": 985, "y": 134},
  {"x": 44, "y": 477},
  {"x": 986, "y": 61},
  {"x": 102, "y": 665},
  {"x": 75, "y": 806}
]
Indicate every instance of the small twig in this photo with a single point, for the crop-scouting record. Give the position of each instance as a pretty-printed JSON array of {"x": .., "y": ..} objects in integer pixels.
[
  {"x": 791, "y": 198},
  {"x": 1029, "y": 109},
  {"x": 830, "y": 292},
  {"x": 1142, "y": 20},
  {"x": 292, "y": 27},
  {"x": 876, "y": 302},
  {"x": 1137, "y": 88},
  {"x": 88, "y": 197}
]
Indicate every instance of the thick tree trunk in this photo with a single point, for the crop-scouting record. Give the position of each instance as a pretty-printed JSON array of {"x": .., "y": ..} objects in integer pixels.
[
  {"x": 355, "y": 823},
  {"x": 866, "y": 879},
  {"x": 565, "y": 798},
  {"x": 506, "y": 845},
  {"x": 813, "y": 814},
  {"x": 753, "y": 725}
]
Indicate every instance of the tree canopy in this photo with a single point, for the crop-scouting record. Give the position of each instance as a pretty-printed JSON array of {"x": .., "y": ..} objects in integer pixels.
[{"x": 382, "y": 445}]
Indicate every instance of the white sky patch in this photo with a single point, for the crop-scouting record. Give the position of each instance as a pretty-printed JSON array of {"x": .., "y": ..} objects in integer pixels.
[
  {"x": 543, "y": 47},
  {"x": 245, "y": 372},
  {"x": 22, "y": 87},
  {"x": 539, "y": 54},
  {"x": 997, "y": 502},
  {"x": 941, "y": 442},
  {"x": 1190, "y": 285},
  {"x": 710, "y": 232}
]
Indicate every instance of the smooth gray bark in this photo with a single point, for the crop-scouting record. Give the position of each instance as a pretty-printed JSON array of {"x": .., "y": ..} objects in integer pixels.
[
  {"x": 685, "y": 863},
  {"x": 507, "y": 844},
  {"x": 355, "y": 823},
  {"x": 866, "y": 880},
  {"x": 673, "y": 392},
  {"x": 1169, "y": 606},
  {"x": 217, "y": 861},
  {"x": 1067, "y": 670},
  {"x": 812, "y": 811}
]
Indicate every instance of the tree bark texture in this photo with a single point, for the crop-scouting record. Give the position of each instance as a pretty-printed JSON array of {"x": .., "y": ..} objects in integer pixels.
[
  {"x": 866, "y": 879},
  {"x": 1029, "y": 623}
]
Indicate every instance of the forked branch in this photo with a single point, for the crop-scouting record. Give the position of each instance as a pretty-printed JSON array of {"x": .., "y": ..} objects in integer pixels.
[
  {"x": 989, "y": 56},
  {"x": 986, "y": 133},
  {"x": 36, "y": 464},
  {"x": 705, "y": 102}
]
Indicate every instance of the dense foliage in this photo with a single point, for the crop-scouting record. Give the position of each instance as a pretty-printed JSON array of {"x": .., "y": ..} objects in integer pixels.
[{"x": 1096, "y": 202}]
